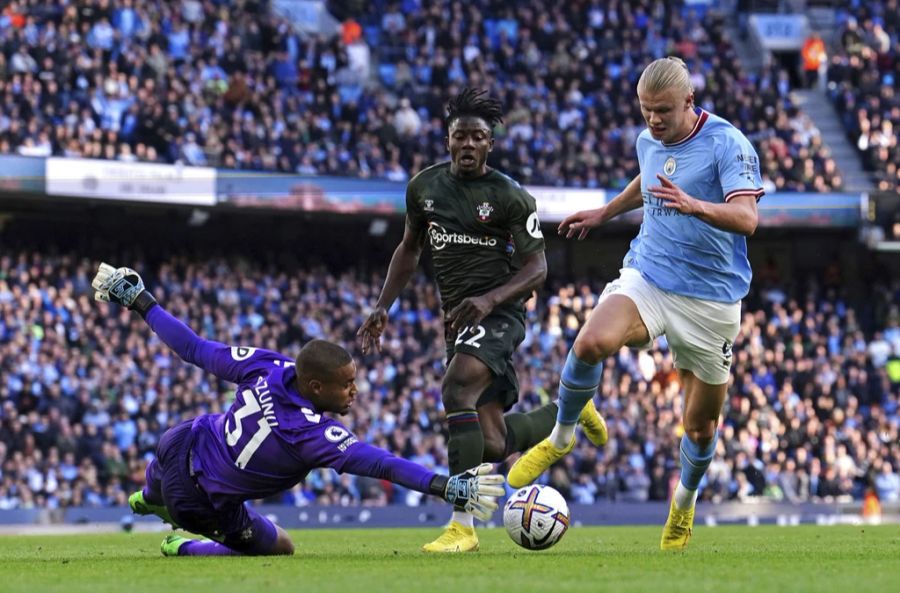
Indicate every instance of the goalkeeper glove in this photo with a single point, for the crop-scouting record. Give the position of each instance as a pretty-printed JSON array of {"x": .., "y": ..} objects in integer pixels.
[
  {"x": 475, "y": 490},
  {"x": 122, "y": 286}
]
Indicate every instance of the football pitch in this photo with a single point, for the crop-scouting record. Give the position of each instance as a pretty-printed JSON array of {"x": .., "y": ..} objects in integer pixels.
[{"x": 845, "y": 559}]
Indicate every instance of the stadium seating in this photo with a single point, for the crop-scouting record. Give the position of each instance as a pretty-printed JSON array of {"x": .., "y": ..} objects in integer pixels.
[
  {"x": 87, "y": 391},
  {"x": 864, "y": 80},
  {"x": 567, "y": 77},
  {"x": 228, "y": 84}
]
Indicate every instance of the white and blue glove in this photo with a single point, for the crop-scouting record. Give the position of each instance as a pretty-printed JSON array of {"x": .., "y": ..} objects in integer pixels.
[
  {"x": 122, "y": 286},
  {"x": 475, "y": 490}
]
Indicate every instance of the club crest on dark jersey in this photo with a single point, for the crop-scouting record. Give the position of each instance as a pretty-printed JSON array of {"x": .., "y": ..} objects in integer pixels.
[
  {"x": 484, "y": 211},
  {"x": 429, "y": 206}
]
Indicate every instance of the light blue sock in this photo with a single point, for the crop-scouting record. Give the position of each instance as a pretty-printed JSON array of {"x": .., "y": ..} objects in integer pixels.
[
  {"x": 695, "y": 460},
  {"x": 578, "y": 384}
]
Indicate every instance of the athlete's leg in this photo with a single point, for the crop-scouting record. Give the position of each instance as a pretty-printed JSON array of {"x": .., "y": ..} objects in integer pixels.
[
  {"x": 466, "y": 379},
  {"x": 513, "y": 432},
  {"x": 494, "y": 430},
  {"x": 149, "y": 499},
  {"x": 152, "y": 491},
  {"x": 524, "y": 431},
  {"x": 233, "y": 529},
  {"x": 613, "y": 323},
  {"x": 246, "y": 533},
  {"x": 700, "y": 334},
  {"x": 702, "y": 406}
]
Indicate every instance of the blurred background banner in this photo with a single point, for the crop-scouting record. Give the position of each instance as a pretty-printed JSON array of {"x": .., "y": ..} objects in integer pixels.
[
  {"x": 779, "y": 32},
  {"x": 340, "y": 194},
  {"x": 310, "y": 193},
  {"x": 555, "y": 203},
  {"x": 811, "y": 210},
  {"x": 202, "y": 186},
  {"x": 132, "y": 182},
  {"x": 309, "y": 16},
  {"x": 22, "y": 174}
]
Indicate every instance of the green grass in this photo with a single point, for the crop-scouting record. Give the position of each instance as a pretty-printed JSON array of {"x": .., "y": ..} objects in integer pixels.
[{"x": 763, "y": 559}]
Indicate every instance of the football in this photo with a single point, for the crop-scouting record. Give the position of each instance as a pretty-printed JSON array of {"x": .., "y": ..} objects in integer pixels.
[{"x": 536, "y": 517}]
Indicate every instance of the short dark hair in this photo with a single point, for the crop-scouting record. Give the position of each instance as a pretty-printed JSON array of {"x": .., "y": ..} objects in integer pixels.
[
  {"x": 319, "y": 359},
  {"x": 476, "y": 103}
]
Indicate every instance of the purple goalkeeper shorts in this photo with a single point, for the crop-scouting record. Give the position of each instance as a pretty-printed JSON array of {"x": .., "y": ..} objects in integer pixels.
[{"x": 237, "y": 526}]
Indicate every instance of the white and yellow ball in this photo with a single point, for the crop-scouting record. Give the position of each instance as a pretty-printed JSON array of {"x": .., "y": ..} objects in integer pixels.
[{"x": 536, "y": 517}]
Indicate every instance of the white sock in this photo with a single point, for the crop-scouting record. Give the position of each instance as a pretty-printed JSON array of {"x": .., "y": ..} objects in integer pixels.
[
  {"x": 684, "y": 498},
  {"x": 464, "y": 518},
  {"x": 562, "y": 435}
]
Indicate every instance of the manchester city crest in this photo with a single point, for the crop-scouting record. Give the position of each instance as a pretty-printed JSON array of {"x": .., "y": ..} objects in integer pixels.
[
  {"x": 484, "y": 211},
  {"x": 669, "y": 166}
]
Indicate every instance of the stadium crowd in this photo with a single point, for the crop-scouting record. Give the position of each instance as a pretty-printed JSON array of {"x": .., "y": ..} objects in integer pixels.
[
  {"x": 864, "y": 82},
  {"x": 567, "y": 75},
  {"x": 230, "y": 84},
  {"x": 87, "y": 390}
]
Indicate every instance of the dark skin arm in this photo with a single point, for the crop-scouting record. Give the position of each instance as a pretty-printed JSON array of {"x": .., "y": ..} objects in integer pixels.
[
  {"x": 403, "y": 265},
  {"x": 472, "y": 310}
]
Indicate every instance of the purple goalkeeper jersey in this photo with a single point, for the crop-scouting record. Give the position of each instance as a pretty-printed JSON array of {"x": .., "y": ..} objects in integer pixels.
[{"x": 272, "y": 436}]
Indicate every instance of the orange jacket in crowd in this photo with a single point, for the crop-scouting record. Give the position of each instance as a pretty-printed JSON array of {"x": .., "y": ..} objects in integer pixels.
[
  {"x": 350, "y": 32},
  {"x": 813, "y": 53}
]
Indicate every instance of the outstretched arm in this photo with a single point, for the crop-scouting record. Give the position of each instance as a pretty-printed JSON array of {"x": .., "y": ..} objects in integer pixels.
[
  {"x": 629, "y": 199},
  {"x": 582, "y": 222},
  {"x": 219, "y": 359},
  {"x": 403, "y": 265},
  {"x": 476, "y": 490},
  {"x": 363, "y": 459},
  {"x": 125, "y": 287}
]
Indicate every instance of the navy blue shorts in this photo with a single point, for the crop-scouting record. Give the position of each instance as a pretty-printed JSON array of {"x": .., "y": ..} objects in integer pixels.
[{"x": 237, "y": 526}]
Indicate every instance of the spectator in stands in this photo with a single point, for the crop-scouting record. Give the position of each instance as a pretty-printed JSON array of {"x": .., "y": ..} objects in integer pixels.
[
  {"x": 814, "y": 59},
  {"x": 887, "y": 483}
]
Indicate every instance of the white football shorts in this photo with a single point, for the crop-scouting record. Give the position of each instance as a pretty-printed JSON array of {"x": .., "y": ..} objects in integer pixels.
[{"x": 700, "y": 332}]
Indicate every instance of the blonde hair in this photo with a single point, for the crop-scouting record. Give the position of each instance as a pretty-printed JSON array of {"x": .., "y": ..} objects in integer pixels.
[{"x": 664, "y": 74}]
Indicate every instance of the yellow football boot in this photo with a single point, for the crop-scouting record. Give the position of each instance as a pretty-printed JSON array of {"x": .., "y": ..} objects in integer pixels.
[
  {"x": 456, "y": 538},
  {"x": 678, "y": 529},
  {"x": 593, "y": 424},
  {"x": 536, "y": 461}
]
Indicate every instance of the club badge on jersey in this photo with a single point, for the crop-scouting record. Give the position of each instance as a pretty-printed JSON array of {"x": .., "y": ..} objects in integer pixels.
[
  {"x": 484, "y": 211},
  {"x": 669, "y": 166}
]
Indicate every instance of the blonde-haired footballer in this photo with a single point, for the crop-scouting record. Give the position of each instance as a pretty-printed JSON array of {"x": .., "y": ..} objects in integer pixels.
[{"x": 684, "y": 276}]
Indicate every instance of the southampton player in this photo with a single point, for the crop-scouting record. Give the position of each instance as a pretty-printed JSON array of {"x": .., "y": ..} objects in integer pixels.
[
  {"x": 478, "y": 222},
  {"x": 270, "y": 438},
  {"x": 684, "y": 276}
]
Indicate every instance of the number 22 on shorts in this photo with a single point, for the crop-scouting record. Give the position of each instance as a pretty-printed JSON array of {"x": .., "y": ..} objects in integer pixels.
[{"x": 475, "y": 334}]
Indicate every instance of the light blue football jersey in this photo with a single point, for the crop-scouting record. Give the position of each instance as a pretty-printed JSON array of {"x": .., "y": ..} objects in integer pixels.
[{"x": 683, "y": 254}]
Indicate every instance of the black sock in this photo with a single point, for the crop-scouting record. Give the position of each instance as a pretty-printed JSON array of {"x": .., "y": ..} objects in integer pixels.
[
  {"x": 524, "y": 431},
  {"x": 466, "y": 445}
]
